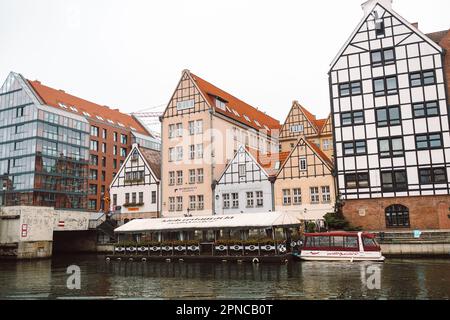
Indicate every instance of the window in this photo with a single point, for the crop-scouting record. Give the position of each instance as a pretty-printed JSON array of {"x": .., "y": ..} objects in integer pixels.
[
  {"x": 192, "y": 151},
  {"x": 385, "y": 86},
  {"x": 191, "y": 126},
  {"x": 200, "y": 151},
  {"x": 92, "y": 204},
  {"x": 422, "y": 78},
  {"x": 314, "y": 192},
  {"x": 326, "y": 195},
  {"x": 115, "y": 150},
  {"x": 426, "y": 109},
  {"x": 92, "y": 189},
  {"x": 179, "y": 203},
  {"x": 235, "y": 199},
  {"x": 141, "y": 197},
  {"x": 179, "y": 177},
  {"x": 93, "y": 160},
  {"x": 191, "y": 176},
  {"x": 199, "y": 175},
  {"x": 259, "y": 199},
  {"x": 171, "y": 154},
  {"x": 428, "y": 141},
  {"x": 390, "y": 147},
  {"x": 381, "y": 57},
  {"x": 354, "y": 147},
  {"x": 286, "y": 197},
  {"x": 357, "y": 180},
  {"x": 200, "y": 202},
  {"x": 397, "y": 216},
  {"x": 103, "y": 161},
  {"x": 153, "y": 196},
  {"x": 93, "y": 174},
  {"x": 394, "y": 181},
  {"x": 171, "y": 203},
  {"x": 352, "y": 118},
  {"x": 296, "y": 128},
  {"x": 115, "y": 136},
  {"x": 198, "y": 126},
  {"x": 325, "y": 144},
  {"x": 297, "y": 196},
  {"x": 179, "y": 130},
  {"x": 302, "y": 164},
  {"x": 20, "y": 112},
  {"x": 250, "y": 200},
  {"x": 389, "y": 116},
  {"x": 171, "y": 130},
  {"x": 94, "y": 145},
  {"x": 226, "y": 200},
  {"x": 192, "y": 203},
  {"x": 379, "y": 28},
  {"x": 123, "y": 139},
  {"x": 350, "y": 88},
  {"x": 432, "y": 175},
  {"x": 186, "y": 104},
  {"x": 220, "y": 104},
  {"x": 104, "y": 134},
  {"x": 114, "y": 200},
  {"x": 241, "y": 170},
  {"x": 104, "y": 147},
  {"x": 171, "y": 178},
  {"x": 179, "y": 153},
  {"x": 127, "y": 198},
  {"x": 103, "y": 175},
  {"x": 123, "y": 152},
  {"x": 94, "y": 131}
]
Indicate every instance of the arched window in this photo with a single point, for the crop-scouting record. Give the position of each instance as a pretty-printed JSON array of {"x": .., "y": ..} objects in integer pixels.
[{"x": 397, "y": 216}]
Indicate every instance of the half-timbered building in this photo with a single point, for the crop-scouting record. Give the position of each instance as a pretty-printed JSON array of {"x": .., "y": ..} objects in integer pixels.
[
  {"x": 247, "y": 183},
  {"x": 391, "y": 126},
  {"x": 304, "y": 185},
  {"x": 136, "y": 189},
  {"x": 202, "y": 128},
  {"x": 302, "y": 123}
]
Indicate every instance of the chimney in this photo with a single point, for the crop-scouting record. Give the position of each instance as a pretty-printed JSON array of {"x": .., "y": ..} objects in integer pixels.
[{"x": 370, "y": 4}]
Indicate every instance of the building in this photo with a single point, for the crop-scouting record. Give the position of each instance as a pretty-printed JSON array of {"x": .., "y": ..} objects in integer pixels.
[
  {"x": 247, "y": 183},
  {"x": 390, "y": 111},
  {"x": 202, "y": 128},
  {"x": 60, "y": 150},
  {"x": 304, "y": 185},
  {"x": 302, "y": 123},
  {"x": 135, "y": 190}
]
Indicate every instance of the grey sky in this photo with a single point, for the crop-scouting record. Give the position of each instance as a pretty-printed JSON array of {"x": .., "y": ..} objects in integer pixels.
[{"x": 130, "y": 54}]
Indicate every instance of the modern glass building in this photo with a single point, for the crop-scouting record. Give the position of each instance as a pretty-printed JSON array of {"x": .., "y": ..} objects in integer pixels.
[{"x": 44, "y": 151}]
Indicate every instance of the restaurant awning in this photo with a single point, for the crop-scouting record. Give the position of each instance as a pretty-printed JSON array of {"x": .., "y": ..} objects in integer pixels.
[{"x": 231, "y": 221}]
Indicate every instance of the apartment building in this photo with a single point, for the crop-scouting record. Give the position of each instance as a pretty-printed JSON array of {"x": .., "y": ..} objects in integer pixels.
[
  {"x": 202, "y": 129},
  {"x": 302, "y": 123},
  {"x": 389, "y": 98},
  {"x": 304, "y": 184},
  {"x": 136, "y": 188},
  {"x": 59, "y": 150}
]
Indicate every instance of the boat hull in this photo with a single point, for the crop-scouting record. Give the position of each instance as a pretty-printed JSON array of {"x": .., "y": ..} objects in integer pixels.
[{"x": 340, "y": 256}]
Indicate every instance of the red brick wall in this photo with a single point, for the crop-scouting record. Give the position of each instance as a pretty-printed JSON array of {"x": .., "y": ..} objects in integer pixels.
[
  {"x": 425, "y": 212},
  {"x": 445, "y": 43}
]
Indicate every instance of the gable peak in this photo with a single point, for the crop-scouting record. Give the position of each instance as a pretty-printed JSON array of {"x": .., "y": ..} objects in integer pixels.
[{"x": 368, "y": 6}]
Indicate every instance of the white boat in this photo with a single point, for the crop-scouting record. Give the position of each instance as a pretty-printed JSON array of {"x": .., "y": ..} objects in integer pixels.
[{"x": 341, "y": 246}]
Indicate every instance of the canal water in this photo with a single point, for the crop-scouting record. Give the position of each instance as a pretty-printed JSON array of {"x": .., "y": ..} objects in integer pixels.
[{"x": 393, "y": 279}]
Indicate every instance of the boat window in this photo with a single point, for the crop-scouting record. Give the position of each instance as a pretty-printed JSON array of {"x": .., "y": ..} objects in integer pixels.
[
  {"x": 351, "y": 242},
  {"x": 337, "y": 241},
  {"x": 369, "y": 242}
]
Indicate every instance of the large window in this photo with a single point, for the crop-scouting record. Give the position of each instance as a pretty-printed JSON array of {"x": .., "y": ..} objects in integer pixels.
[
  {"x": 326, "y": 195},
  {"x": 352, "y": 118},
  {"x": 350, "y": 88},
  {"x": 394, "y": 181},
  {"x": 389, "y": 116},
  {"x": 426, "y": 109},
  {"x": 397, "y": 216},
  {"x": 422, "y": 78},
  {"x": 428, "y": 141},
  {"x": 432, "y": 175},
  {"x": 314, "y": 193},
  {"x": 235, "y": 200},
  {"x": 259, "y": 199},
  {"x": 226, "y": 200},
  {"x": 381, "y": 57},
  {"x": 390, "y": 147},
  {"x": 286, "y": 197},
  {"x": 355, "y": 148},
  {"x": 94, "y": 131},
  {"x": 250, "y": 199},
  {"x": 171, "y": 178},
  {"x": 297, "y": 196},
  {"x": 357, "y": 180},
  {"x": 385, "y": 86}
]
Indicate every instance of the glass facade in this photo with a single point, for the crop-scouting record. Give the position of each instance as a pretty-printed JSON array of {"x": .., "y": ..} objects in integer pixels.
[
  {"x": 43, "y": 155},
  {"x": 148, "y": 143}
]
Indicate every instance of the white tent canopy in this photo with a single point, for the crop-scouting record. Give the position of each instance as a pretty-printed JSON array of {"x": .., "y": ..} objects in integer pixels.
[{"x": 231, "y": 221}]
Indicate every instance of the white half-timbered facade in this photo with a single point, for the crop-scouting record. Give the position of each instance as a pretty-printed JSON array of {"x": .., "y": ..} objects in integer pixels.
[
  {"x": 135, "y": 190},
  {"x": 390, "y": 114},
  {"x": 244, "y": 187}
]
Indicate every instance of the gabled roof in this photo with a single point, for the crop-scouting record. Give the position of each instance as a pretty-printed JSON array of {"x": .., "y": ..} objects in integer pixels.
[
  {"x": 211, "y": 92},
  {"x": 316, "y": 123},
  {"x": 153, "y": 159},
  {"x": 268, "y": 161},
  {"x": 319, "y": 152},
  {"x": 397, "y": 16},
  {"x": 53, "y": 97}
]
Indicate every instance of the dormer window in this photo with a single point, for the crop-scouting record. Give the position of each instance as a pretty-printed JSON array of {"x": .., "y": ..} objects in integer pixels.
[
  {"x": 74, "y": 109},
  {"x": 236, "y": 113},
  {"x": 257, "y": 123},
  {"x": 99, "y": 118},
  {"x": 220, "y": 104},
  {"x": 86, "y": 114},
  {"x": 62, "y": 105},
  {"x": 247, "y": 118}
]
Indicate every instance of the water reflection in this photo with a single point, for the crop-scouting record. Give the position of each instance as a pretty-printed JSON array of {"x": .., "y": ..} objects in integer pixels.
[{"x": 397, "y": 279}]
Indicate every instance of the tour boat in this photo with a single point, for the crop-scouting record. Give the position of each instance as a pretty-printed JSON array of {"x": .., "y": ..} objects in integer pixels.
[{"x": 341, "y": 246}]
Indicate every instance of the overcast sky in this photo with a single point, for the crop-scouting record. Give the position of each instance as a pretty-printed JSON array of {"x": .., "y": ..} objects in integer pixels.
[{"x": 130, "y": 54}]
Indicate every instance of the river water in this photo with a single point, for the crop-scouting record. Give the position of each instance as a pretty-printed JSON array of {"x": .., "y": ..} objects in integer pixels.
[{"x": 393, "y": 279}]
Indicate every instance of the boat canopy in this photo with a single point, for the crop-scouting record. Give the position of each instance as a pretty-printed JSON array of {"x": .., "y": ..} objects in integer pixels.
[{"x": 215, "y": 222}]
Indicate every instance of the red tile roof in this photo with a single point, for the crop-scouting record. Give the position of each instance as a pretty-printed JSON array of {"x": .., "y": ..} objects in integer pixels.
[
  {"x": 268, "y": 161},
  {"x": 153, "y": 159},
  {"x": 52, "y": 97},
  {"x": 211, "y": 92},
  {"x": 318, "y": 123}
]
